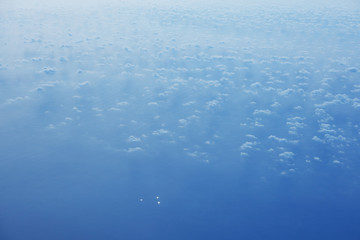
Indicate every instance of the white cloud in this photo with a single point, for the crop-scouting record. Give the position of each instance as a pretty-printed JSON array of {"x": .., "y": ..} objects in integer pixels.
[
  {"x": 133, "y": 139},
  {"x": 160, "y": 132},
  {"x": 135, "y": 149},
  {"x": 324, "y": 116},
  {"x": 76, "y": 109},
  {"x": 122, "y": 103},
  {"x": 183, "y": 122},
  {"x": 317, "y": 139},
  {"x": 248, "y": 145},
  {"x": 251, "y": 136},
  {"x": 287, "y": 155},
  {"x": 275, "y": 104},
  {"x": 317, "y": 92},
  {"x": 356, "y": 102},
  {"x": 212, "y": 103},
  {"x": 265, "y": 112},
  {"x": 48, "y": 71},
  {"x": 51, "y": 126},
  {"x": 189, "y": 103},
  {"x": 337, "y": 99},
  {"x": 114, "y": 109},
  {"x": 97, "y": 109},
  {"x": 192, "y": 154},
  {"x": 17, "y": 99},
  {"x": 352, "y": 70},
  {"x": 277, "y": 138},
  {"x": 152, "y": 104},
  {"x": 286, "y": 92}
]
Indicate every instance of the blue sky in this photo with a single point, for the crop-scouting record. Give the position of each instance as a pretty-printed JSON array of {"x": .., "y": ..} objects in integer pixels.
[{"x": 179, "y": 120}]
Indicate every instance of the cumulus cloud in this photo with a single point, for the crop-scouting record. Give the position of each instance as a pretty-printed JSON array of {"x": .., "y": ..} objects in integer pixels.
[
  {"x": 134, "y": 149},
  {"x": 189, "y": 103},
  {"x": 352, "y": 70},
  {"x": 48, "y": 71},
  {"x": 160, "y": 132},
  {"x": 212, "y": 103},
  {"x": 17, "y": 99},
  {"x": 133, "y": 139},
  {"x": 286, "y": 92},
  {"x": 317, "y": 139},
  {"x": 183, "y": 122},
  {"x": 277, "y": 138},
  {"x": 356, "y": 103},
  {"x": 337, "y": 99},
  {"x": 247, "y": 145},
  {"x": 152, "y": 104},
  {"x": 287, "y": 155},
  {"x": 251, "y": 136},
  {"x": 124, "y": 103},
  {"x": 265, "y": 112}
]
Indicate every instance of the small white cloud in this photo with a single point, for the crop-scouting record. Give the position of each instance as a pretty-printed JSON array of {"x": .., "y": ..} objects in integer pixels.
[
  {"x": 85, "y": 83},
  {"x": 48, "y": 70},
  {"x": 212, "y": 103},
  {"x": 286, "y": 92},
  {"x": 133, "y": 139},
  {"x": 122, "y": 103},
  {"x": 114, "y": 109},
  {"x": 317, "y": 139},
  {"x": 251, "y": 136},
  {"x": 256, "y": 85},
  {"x": 51, "y": 126},
  {"x": 189, "y": 103},
  {"x": 135, "y": 149},
  {"x": 332, "y": 138},
  {"x": 266, "y": 112},
  {"x": 277, "y": 138},
  {"x": 160, "y": 132},
  {"x": 352, "y": 70},
  {"x": 97, "y": 109},
  {"x": 17, "y": 99},
  {"x": 337, "y": 99},
  {"x": 258, "y": 124},
  {"x": 356, "y": 102},
  {"x": 152, "y": 104},
  {"x": 76, "y": 109},
  {"x": 287, "y": 155},
  {"x": 248, "y": 145},
  {"x": 183, "y": 122},
  {"x": 275, "y": 104},
  {"x": 192, "y": 154}
]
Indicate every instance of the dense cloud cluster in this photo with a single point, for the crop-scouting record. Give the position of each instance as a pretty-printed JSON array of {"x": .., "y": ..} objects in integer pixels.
[{"x": 278, "y": 89}]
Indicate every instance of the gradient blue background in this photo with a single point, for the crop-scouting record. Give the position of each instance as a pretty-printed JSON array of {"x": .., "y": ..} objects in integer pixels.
[{"x": 243, "y": 119}]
